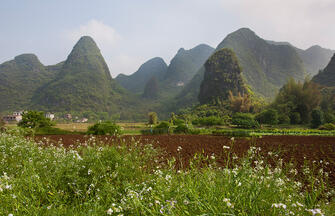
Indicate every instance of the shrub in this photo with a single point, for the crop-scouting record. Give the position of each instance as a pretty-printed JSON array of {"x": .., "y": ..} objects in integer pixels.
[
  {"x": 244, "y": 120},
  {"x": 210, "y": 121},
  {"x": 163, "y": 125},
  {"x": 295, "y": 118},
  {"x": 329, "y": 117},
  {"x": 104, "y": 128},
  {"x": 317, "y": 118},
  {"x": 153, "y": 118},
  {"x": 181, "y": 128},
  {"x": 269, "y": 116},
  {"x": 178, "y": 121},
  {"x": 283, "y": 119},
  {"x": 34, "y": 119},
  {"x": 328, "y": 126}
]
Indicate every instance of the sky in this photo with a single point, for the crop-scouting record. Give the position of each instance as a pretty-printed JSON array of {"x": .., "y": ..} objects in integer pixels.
[{"x": 130, "y": 32}]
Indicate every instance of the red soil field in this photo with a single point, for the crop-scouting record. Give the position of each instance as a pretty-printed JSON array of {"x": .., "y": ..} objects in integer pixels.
[{"x": 295, "y": 149}]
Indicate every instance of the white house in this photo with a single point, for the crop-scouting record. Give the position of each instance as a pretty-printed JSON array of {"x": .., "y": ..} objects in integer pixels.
[{"x": 50, "y": 116}]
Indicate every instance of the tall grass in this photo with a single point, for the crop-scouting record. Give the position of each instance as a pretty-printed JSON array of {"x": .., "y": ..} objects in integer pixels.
[{"x": 130, "y": 179}]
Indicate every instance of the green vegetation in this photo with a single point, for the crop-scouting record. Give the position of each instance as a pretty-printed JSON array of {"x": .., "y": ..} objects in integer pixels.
[
  {"x": 211, "y": 121},
  {"x": 34, "y": 120},
  {"x": 264, "y": 132},
  {"x": 222, "y": 76},
  {"x": 244, "y": 120},
  {"x": 317, "y": 118},
  {"x": 327, "y": 126},
  {"x": 268, "y": 116},
  {"x": 297, "y": 100},
  {"x": 83, "y": 83},
  {"x": 153, "y": 118},
  {"x": 19, "y": 79},
  {"x": 105, "y": 128},
  {"x": 96, "y": 179}
]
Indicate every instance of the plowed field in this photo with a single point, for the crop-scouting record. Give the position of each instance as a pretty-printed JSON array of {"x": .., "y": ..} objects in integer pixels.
[{"x": 295, "y": 149}]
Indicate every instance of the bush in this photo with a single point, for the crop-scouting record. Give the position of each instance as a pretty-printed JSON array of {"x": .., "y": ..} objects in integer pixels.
[
  {"x": 210, "y": 121},
  {"x": 295, "y": 118},
  {"x": 181, "y": 129},
  {"x": 328, "y": 126},
  {"x": 329, "y": 117},
  {"x": 104, "y": 128},
  {"x": 34, "y": 119},
  {"x": 283, "y": 119},
  {"x": 244, "y": 120},
  {"x": 153, "y": 118},
  {"x": 269, "y": 116},
  {"x": 163, "y": 125},
  {"x": 317, "y": 118},
  {"x": 178, "y": 121}
]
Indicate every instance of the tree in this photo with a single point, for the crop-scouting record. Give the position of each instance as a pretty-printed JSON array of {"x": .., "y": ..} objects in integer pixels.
[
  {"x": 35, "y": 119},
  {"x": 269, "y": 116},
  {"x": 152, "y": 118},
  {"x": 240, "y": 103},
  {"x": 104, "y": 128},
  {"x": 317, "y": 118},
  {"x": 296, "y": 97}
]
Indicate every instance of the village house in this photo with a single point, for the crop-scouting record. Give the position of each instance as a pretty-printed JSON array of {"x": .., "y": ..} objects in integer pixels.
[
  {"x": 15, "y": 117},
  {"x": 50, "y": 116}
]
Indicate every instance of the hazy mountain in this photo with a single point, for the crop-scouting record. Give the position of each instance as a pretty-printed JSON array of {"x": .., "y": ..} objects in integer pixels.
[
  {"x": 151, "y": 89},
  {"x": 265, "y": 66},
  {"x": 83, "y": 83},
  {"x": 137, "y": 81},
  {"x": 315, "y": 58},
  {"x": 186, "y": 63},
  {"x": 222, "y": 74},
  {"x": 327, "y": 76},
  {"x": 170, "y": 79},
  {"x": 20, "y": 78}
]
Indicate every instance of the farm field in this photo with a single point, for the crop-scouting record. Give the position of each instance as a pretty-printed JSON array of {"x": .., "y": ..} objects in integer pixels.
[
  {"x": 296, "y": 149},
  {"x": 128, "y": 128}
]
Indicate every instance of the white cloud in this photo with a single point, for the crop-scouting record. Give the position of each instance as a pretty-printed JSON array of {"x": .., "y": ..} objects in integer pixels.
[
  {"x": 107, "y": 38},
  {"x": 104, "y": 35}
]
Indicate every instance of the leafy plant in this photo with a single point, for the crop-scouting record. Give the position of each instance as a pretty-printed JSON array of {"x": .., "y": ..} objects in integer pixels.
[
  {"x": 152, "y": 118},
  {"x": 244, "y": 120},
  {"x": 104, "y": 128},
  {"x": 34, "y": 119},
  {"x": 317, "y": 118},
  {"x": 327, "y": 126},
  {"x": 269, "y": 116}
]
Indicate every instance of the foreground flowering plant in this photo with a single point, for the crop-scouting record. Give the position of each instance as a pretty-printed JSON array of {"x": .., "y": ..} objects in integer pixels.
[{"x": 130, "y": 179}]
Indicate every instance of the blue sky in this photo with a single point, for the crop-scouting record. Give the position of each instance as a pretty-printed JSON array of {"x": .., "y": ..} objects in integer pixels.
[{"x": 129, "y": 32}]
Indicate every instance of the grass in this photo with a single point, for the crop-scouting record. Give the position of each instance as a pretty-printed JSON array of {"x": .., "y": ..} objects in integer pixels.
[{"x": 129, "y": 179}]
